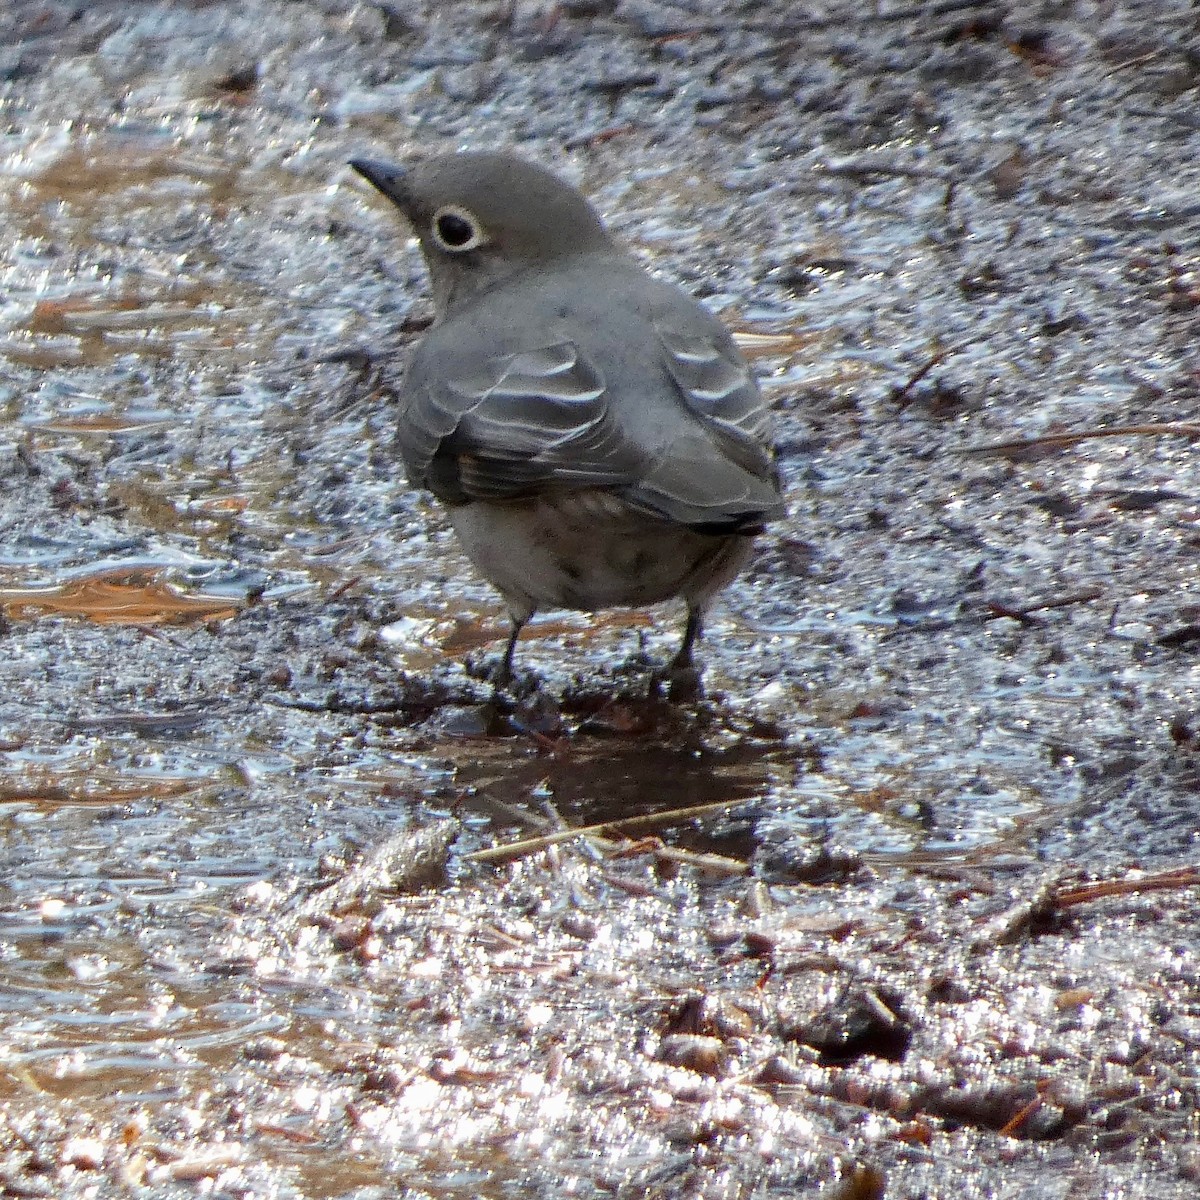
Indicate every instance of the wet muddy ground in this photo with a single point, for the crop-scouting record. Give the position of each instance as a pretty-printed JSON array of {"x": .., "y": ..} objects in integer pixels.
[{"x": 907, "y": 906}]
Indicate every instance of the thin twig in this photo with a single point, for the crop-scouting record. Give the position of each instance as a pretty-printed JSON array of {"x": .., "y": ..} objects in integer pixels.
[
  {"x": 799, "y": 25},
  {"x": 940, "y": 356},
  {"x": 924, "y": 11},
  {"x": 710, "y": 864},
  {"x": 626, "y": 825},
  {"x": 1163, "y": 881},
  {"x": 1160, "y": 429},
  {"x": 1012, "y": 1127},
  {"x": 342, "y": 588},
  {"x": 597, "y": 137},
  {"x": 862, "y": 168},
  {"x": 1025, "y": 613}
]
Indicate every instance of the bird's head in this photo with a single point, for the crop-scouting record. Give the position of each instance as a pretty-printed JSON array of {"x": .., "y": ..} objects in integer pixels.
[{"x": 481, "y": 217}]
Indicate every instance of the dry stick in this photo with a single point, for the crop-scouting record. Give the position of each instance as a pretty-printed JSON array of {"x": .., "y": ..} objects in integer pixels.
[
  {"x": 1174, "y": 428},
  {"x": 708, "y": 864},
  {"x": 946, "y": 352},
  {"x": 598, "y": 136},
  {"x": 937, "y": 8},
  {"x": 627, "y": 824},
  {"x": 1165, "y": 880},
  {"x": 342, "y": 588},
  {"x": 862, "y": 168},
  {"x": 1013, "y": 1126},
  {"x": 923, "y": 11},
  {"x": 1025, "y": 614}
]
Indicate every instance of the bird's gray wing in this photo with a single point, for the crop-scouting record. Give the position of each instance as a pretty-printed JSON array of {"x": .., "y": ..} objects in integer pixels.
[
  {"x": 500, "y": 427},
  {"x": 715, "y": 381},
  {"x": 721, "y": 471}
]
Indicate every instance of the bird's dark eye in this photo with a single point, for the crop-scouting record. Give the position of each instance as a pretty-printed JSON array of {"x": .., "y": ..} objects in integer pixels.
[{"x": 455, "y": 229}]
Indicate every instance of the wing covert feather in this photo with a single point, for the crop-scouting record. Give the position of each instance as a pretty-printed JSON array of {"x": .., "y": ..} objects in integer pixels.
[
  {"x": 715, "y": 381},
  {"x": 512, "y": 424}
]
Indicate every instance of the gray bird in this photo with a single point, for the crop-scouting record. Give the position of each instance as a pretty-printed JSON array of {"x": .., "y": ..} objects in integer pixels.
[{"x": 594, "y": 433}]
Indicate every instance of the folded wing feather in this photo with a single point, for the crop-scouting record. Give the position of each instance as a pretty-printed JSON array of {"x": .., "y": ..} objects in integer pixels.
[{"x": 517, "y": 424}]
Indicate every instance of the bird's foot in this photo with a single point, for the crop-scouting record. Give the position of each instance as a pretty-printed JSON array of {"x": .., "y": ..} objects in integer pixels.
[
  {"x": 501, "y": 674},
  {"x": 682, "y": 679},
  {"x": 684, "y": 685},
  {"x": 509, "y": 684}
]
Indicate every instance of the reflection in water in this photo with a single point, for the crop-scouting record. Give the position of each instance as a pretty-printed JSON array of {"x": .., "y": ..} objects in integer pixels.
[
  {"x": 593, "y": 781},
  {"x": 122, "y": 595}
]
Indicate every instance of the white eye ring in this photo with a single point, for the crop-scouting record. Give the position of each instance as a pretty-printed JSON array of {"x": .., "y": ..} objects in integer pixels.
[{"x": 455, "y": 230}]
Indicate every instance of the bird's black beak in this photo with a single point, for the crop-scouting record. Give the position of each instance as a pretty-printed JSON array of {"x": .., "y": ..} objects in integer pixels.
[{"x": 388, "y": 178}]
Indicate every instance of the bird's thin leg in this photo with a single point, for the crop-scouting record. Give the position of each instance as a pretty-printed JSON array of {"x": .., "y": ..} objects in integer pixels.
[
  {"x": 692, "y": 631},
  {"x": 504, "y": 673},
  {"x": 684, "y": 678}
]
